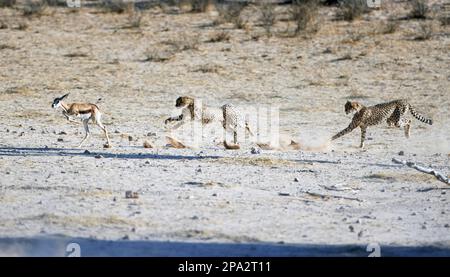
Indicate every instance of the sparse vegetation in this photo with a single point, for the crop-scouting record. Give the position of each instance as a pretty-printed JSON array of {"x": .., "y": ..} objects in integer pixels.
[
  {"x": 219, "y": 36},
  {"x": 389, "y": 27},
  {"x": 419, "y": 9},
  {"x": 231, "y": 12},
  {"x": 208, "y": 68},
  {"x": 33, "y": 8},
  {"x": 134, "y": 18},
  {"x": 304, "y": 14},
  {"x": 159, "y": 54},
  {"x": 7, "y": 3},
  {"x": 425, "y": 31},
  {"x": 199, "y": 6},
  {"x": 116, "y": 6},
  {"x": 352, "y": 9},
  {"x": 184, "y": 42},
  {"x": 267, "y": 17}
]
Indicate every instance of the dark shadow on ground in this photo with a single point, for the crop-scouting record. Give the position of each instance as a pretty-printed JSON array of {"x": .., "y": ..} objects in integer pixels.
[
  {"x": 61, "y": 152},
  {"x": 60, "y": 246}
]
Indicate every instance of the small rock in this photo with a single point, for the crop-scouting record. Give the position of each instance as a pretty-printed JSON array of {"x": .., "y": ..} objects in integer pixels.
[
  {"x": 60, "y": 140},
  {"x": 131, "y": 194},
  {"x": 413, "y": 214},
  {"x": 87, "y": 152},
  {"x": 399, "y": 218},
  {"x": 401, "y": 153},
  {"x": 98, "y": 156},
  {"x": 194, "y": 217},
  {"x": 198, "y": 170},
  {"x": 424, "y": 227},
  {"x": 133, "y": 230},
  {"x": 126, "y": 237},
  {"x": 283, "y": 194},
  {"x": 255, "y": 150},
  {"x": 360, "y": 234},
  {"x": 351, "y": 228},
  {"x": 151, "y": 134},
  {"x": 32, "y": 128},
  {"x": 116, "y": 132},
  {"x": 214, "y": 194},
  {"x": 447, "y": 226},
  {"x": 62, "y": 133},
  {"x": 114, "y": 199},
  {"x": 296, "y": 179},
  {"x": 147, "y": 162}
]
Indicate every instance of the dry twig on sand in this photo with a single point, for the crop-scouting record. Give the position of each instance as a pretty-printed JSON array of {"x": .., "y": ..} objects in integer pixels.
[
  {"x": 441, "y": 177},
  {"x": 328, "y": 196}
]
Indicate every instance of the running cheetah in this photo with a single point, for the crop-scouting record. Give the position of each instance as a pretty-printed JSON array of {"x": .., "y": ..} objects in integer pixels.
[
  {"x": 228, "y": 115},
  {"x": 392, "y": 112}
]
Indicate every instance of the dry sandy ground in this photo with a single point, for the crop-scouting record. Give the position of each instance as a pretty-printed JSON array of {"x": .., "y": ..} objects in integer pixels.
[{"x": 219, "y": 201}]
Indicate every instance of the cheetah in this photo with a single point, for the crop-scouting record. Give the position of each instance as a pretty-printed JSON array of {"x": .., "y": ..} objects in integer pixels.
[
  {"x": 228, "y": 115},
  {"x": 393, "y": 113}
]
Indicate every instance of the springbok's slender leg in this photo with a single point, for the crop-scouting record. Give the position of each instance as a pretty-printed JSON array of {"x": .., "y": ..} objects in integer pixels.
[
  {"x": 86, "y": 129},
  {"x": 104, "y": 131}
]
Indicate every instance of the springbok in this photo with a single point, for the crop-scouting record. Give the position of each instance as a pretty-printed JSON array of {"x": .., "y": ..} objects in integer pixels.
[{"x": 84, "y": 111}]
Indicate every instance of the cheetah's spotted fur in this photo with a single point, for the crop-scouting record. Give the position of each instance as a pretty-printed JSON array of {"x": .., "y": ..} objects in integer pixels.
[{"x": 392, "y": 112}]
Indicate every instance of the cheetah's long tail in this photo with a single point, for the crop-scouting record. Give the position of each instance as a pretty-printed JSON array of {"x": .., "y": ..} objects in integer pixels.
[{"x": 419, "y": 116}]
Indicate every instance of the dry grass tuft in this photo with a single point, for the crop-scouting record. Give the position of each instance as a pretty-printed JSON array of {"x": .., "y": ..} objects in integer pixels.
[
  {"x": 304, "y": 14},
  {"x": 267, "y": 17},
  {"x": 231, "y": 12},
  {"x": 419, "y": 9},
  {"x": 7, "y": 3},
  {"x": 352, "y": 9},
  {"x": 219, "y": 37},
  {"x": 425, "y": 31}
]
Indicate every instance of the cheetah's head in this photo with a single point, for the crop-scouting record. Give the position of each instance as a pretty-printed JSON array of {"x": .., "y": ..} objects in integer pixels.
[
  {"x": 184, "y": 101},
  {"x": 352, "y": 107}
]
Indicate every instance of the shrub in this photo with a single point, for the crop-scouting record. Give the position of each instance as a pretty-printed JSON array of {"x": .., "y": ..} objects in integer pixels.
[
  {"x": 425, "y": 31},
  {"x": 7, "y": 3},
  {"x": 115, "y": 6},
  {"x": 352, "y": 9},
  {"x": 220, "y": 36},
  {"x": 231, "y": 12},
  {"x": 304, "y": 13},
  {"x": 33, "y": 8},
  {"x": 419, "y": 9},
  {"x": 267, "y": 16}
]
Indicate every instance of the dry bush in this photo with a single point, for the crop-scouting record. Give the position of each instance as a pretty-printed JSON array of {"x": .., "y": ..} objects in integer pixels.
[
  {"x": 7, "y": 3},
  {"x": 116, "y": 6},
  {"x": 208, "y": 68},
  {"x": 352, "y": 9},
  {"x": 56, "y": 3},
  {"x": 134, "y": 19},
  {"x": 304, "y": 14},
  {"x": 445, "y": 20},
  {"x": 267, "y": 16},
  {"x": 33, "y": 8},
  {"x": 419, "y": 9},
  {"x": 219, "y": 37},
  {"x": 184, "y": 42},
  {"x": 425, "y": 31},
  {"x": 231, "y": 12},
  {"x": 389, "y": 27},
  {"x": 199, "y": 6},
  {"x": 159, "y": 54}
]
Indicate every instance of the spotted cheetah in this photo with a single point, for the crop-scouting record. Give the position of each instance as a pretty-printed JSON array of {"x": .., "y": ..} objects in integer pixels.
[
  {"x": 393, "y": 113},
  {"x": 228, "y": 115}
]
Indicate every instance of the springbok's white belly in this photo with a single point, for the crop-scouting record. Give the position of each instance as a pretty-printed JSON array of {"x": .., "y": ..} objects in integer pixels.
[{"x": 84, "y": 116}]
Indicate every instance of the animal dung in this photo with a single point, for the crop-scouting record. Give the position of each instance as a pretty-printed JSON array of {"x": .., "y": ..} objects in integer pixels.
[
  {"x": 131, "y": 194},
  {"x": 106, "y": 145}
]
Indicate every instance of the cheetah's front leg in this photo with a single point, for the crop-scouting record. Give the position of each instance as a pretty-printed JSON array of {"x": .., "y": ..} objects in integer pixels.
[{"x": 363, "y": 136}]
